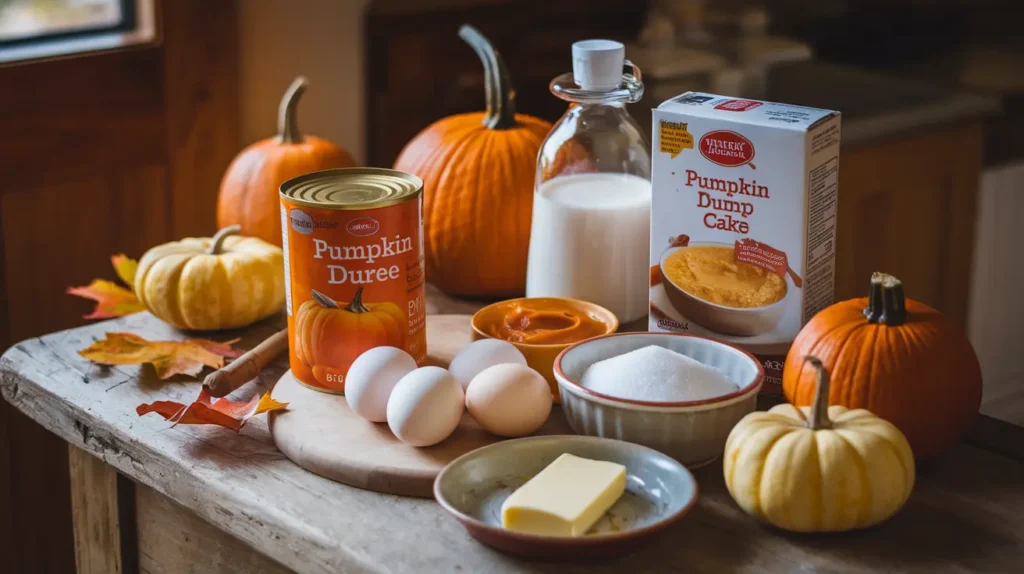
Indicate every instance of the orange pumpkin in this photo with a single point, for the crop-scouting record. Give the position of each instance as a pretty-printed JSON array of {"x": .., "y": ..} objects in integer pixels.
[
  {"x": 478, "y": 171},
  {"x": 249, "y": 191},
  {"x": 896, "y": 357},
  {"x": 329, "y": 337}
]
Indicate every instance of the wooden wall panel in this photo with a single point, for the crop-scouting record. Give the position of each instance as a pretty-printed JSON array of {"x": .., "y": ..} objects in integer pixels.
[
  {"x": 64, "y": 234},
  {"x": 8, "y": 542},
  {"x": 77, "y": 117},
  {"x": 41, "y": 508},
  {"x": 201, "y": 94},
  {"x": 965, "y": 152},
  {"x": 907, "y": 207}
]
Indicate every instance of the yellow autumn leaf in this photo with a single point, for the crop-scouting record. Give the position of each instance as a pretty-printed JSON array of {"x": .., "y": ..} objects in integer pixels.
[
  {"x": 168, "y": 358},
  {"x": 125, "y": 267},
  {"x": 112, "y": 300}
]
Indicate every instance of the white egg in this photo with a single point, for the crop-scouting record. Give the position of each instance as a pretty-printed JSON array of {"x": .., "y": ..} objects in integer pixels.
[
  {"x": 371, "y": 378},
  {"x": 425, "y": 406},
  {"x": 479, "y": 355},
  {"x": 509, "y": 400}
]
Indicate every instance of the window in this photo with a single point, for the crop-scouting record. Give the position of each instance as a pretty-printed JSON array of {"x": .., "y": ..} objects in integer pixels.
[{"x": 43, "y": 28}]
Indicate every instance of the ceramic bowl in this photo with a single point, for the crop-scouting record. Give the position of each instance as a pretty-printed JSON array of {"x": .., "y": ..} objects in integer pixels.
[
  {"x": 541, "y": 358},
  {"x": 473, "y": 487},
  {"x": 692, "y": 432},
  {"x": 739, "y": 321}
]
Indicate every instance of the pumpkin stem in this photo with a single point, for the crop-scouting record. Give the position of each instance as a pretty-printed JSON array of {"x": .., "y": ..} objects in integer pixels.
[
  {"x": 818, "y": 418},
  {"x": 501, "y": 96},
  {"x": 323, "y": 300},
  {"x": 356, "y": 306},
  {"x": 287, "y": 112},
  {"x": 887, "y": 303},
  {"x": 217, "y": 242}
]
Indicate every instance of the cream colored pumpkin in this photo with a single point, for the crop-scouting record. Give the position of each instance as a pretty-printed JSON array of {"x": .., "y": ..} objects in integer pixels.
[
  {"x": 808, "y": 470},
  {"x": 204, "y": 283}
]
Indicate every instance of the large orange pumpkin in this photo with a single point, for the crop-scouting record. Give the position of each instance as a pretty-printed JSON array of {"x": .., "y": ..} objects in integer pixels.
[
  {"x": 249, "y": 191},
  {"x": 329, "y": 336},
  {"x": 478, "y": 171},
  {"x": 896, "y": 357}
]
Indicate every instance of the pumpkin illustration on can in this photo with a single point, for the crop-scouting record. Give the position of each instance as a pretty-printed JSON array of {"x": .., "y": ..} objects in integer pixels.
[{"x": 354, "y": 269}]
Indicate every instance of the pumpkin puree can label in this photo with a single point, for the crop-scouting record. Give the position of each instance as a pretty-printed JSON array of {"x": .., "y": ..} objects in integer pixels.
[
  {"x": 354, "y": 269},
  {"x": 743, "y": 221}
]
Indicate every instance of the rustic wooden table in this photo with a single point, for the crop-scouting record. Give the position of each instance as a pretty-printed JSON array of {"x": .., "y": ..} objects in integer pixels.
[{"x": 152, "y": 498}]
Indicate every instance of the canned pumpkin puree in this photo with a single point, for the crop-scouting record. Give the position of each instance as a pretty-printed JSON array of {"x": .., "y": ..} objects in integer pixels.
[{"x": 354, "y": 271}]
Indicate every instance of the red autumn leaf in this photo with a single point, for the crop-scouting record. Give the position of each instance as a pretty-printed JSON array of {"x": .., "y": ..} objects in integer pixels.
[
  {"x": 168, "y": 358},
  {"x": 226, "y": 413},
  {"x": 112, "y": 300}
]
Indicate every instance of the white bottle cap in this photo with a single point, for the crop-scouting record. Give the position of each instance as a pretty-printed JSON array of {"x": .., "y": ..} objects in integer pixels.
[{"x": 597, "y": 64}]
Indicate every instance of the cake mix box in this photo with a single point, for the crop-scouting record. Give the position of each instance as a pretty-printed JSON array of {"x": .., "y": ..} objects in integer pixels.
[{"x": 743, "y": 221}]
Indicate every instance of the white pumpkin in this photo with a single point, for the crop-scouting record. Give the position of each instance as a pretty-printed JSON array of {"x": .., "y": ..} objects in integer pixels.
[{"x": 818, "y": 468}]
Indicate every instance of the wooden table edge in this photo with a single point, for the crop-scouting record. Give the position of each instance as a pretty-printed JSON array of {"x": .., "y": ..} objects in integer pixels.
[{"x": 96, "y": 437}]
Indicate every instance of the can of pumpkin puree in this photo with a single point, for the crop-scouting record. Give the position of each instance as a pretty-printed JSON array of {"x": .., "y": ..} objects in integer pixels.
[{"x": 354, "y": 269}]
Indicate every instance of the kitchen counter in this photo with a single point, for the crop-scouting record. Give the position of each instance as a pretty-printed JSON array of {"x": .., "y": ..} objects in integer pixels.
[
  {"x": 205, "y": 499},
  {"x": 875, "y": 106}
]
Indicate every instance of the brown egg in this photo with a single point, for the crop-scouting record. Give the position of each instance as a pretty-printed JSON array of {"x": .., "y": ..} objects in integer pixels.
[{"x": 509, "y": 400}]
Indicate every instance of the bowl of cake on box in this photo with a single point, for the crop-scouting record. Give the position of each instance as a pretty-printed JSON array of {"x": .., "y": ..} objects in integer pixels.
[
  {"x": 706, "y": 284},
  {"x": 676, "y": 393}
]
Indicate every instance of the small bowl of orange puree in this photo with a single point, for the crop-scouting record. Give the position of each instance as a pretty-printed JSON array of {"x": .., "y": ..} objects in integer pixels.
[{"x": 541, "y": 327}]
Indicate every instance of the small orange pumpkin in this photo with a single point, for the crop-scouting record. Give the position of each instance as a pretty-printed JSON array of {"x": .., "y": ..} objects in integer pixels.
[
  {"x": 478, "y": 171},
  {"x": 896, "y": 357},
  {"x": 329, "y": 337},
  {"x": 249, "y": 190}
]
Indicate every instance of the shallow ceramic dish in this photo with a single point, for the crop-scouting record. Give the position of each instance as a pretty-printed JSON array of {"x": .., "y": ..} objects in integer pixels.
[
  {"x": 692, "y": 432},
  {"x": 541, "y": 358},
  {"x": 741, "y": 321},
  {"x": 473, "y": 487}
]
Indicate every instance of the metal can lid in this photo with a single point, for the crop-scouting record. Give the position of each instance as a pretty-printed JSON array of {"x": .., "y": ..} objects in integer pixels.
[{"x": 352, "y": 188}]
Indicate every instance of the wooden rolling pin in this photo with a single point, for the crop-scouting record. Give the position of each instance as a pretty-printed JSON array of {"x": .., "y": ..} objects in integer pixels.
[{"x": 247, "y": 367}]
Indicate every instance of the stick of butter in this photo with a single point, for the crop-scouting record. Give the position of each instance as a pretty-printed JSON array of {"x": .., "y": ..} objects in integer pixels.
[{"x": 566, "y": 498}]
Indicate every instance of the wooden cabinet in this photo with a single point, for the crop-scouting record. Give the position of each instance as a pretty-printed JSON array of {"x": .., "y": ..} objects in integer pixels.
[
  {"x": 907, "y": 207},
  {"x": 418, "y": 70}
]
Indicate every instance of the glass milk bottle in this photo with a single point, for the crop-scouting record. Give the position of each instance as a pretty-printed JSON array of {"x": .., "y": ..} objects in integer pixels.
[{"x": 590, "y": 238}]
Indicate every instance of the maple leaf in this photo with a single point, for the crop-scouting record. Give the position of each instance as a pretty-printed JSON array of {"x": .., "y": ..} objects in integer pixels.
[
  {"x": 125, "y": 268},
  {"x": 226, "y": 413},
  {"x": 223, "y": 349},
  {"x": 112, "y": 300},
  {"x": 168, "y": 358}
]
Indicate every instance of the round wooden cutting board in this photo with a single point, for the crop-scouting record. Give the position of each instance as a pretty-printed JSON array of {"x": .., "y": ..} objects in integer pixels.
[{"x": 320, "y": 433}]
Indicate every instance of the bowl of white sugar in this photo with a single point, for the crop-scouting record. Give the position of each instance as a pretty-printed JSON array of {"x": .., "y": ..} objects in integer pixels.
[{"x": 679, "y": 394}]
